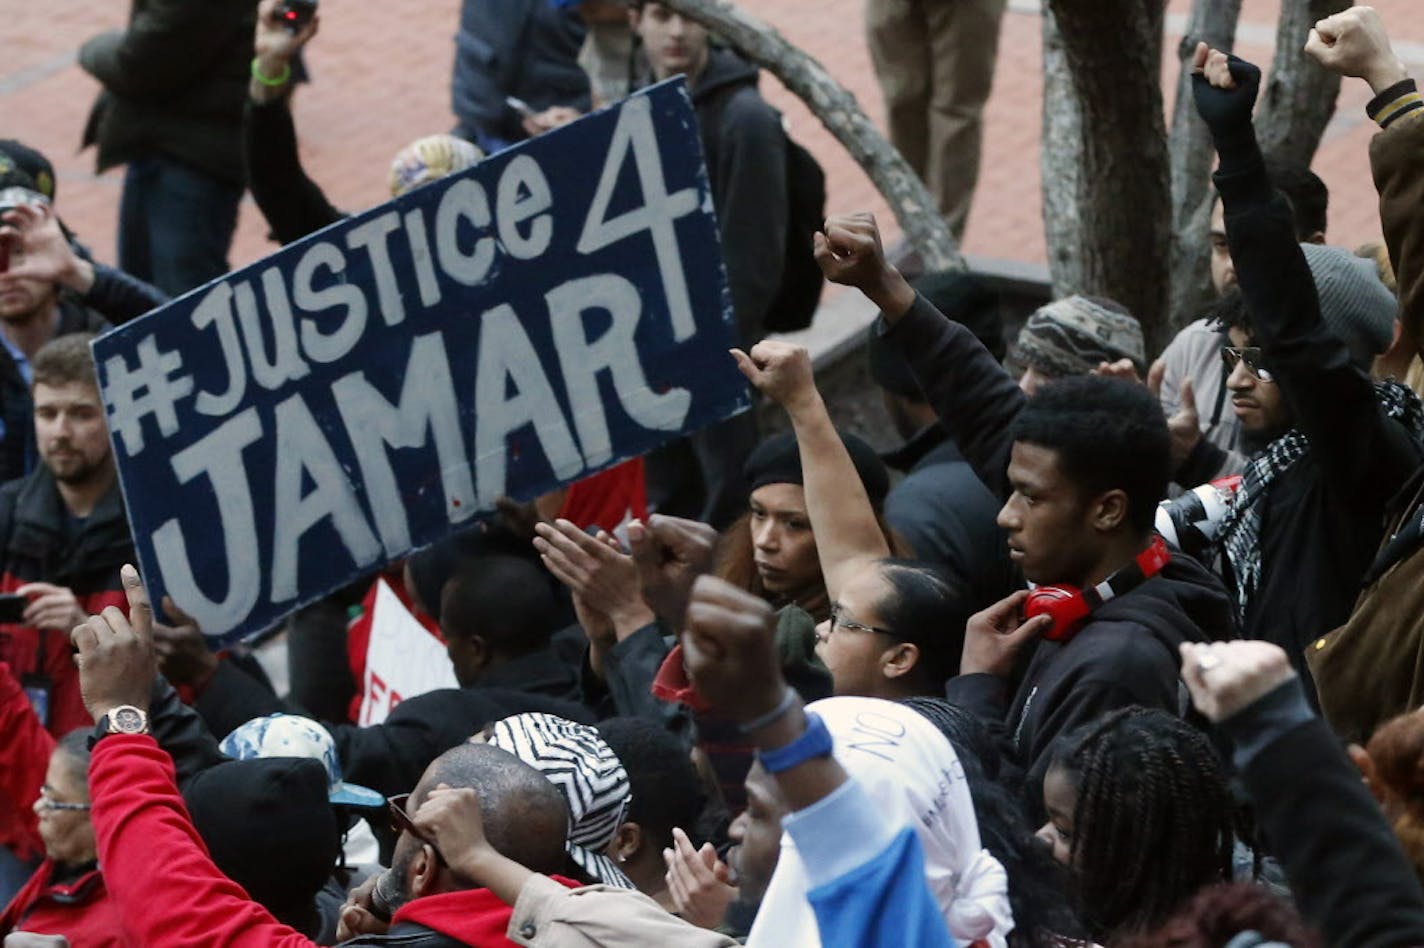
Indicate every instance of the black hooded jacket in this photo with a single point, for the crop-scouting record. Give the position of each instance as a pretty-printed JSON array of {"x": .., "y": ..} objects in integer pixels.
[
  {"x": 1127, "y": 653},
  {"x": 1323, "y": 518},
  {"x": 745, "y": 146},
  {"x": 390, "y": 757}
]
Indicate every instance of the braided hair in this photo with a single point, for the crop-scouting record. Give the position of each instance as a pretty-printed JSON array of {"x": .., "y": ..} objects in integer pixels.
[{"x": 1154, "y": 820}]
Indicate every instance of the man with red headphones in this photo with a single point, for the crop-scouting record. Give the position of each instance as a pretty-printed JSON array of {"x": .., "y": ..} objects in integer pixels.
[{"x": 1080, "y": 468}]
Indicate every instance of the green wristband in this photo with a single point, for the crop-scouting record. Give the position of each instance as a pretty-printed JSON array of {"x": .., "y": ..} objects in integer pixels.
[{"x": 281, "y": 80}]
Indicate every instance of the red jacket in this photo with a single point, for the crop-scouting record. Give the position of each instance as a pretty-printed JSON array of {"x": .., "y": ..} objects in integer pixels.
[
  {"x": 81, "y": 911},
  {"x": 25, "y": 747},
  {"x": 140, "y": 823},
  {"x": 475, "y": 916},
  {"x": 36, "y": 545}
]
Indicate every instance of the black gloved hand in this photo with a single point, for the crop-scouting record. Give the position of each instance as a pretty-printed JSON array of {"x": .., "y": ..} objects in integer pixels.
[{"x": 1228, "y": 111}]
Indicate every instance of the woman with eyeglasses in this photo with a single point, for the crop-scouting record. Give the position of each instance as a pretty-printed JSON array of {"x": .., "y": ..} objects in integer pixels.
[
  {"x": 894, "y": 627},
  {"x": 46, "y": 785}
]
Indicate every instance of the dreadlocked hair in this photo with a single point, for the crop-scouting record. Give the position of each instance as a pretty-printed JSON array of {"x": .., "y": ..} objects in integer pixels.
[{"x": 1154, "y": 820}]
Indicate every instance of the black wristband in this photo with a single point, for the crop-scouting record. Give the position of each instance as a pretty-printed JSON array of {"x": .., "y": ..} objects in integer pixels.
[{"x": 788, "y": 700}]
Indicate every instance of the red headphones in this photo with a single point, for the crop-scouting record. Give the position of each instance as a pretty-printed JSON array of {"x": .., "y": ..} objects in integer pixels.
[{"x": 1070, "y": 607}]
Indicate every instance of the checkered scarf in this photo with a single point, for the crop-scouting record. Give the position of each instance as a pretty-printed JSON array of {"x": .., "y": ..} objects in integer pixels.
[{"x": 1241, "y": 529}]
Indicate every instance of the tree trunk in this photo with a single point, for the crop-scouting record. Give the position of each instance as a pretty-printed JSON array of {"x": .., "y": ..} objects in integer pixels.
[
  {"x": 1212, "y": 21},
  {"x": 1114, "y": 53},
  {"x": 838, "y": 110},
  {"x": 1058, "y": 165},
  {"x": 1299, "y": 98}
]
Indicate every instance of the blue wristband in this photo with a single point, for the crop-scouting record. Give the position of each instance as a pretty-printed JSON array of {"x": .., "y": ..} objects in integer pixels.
[{"x": 815, "y": 741}]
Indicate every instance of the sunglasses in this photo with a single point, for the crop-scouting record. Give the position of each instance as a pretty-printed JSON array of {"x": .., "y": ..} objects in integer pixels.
[
  {"x": 402, "y": 823},
  {"x": 1251, "y": 356}
]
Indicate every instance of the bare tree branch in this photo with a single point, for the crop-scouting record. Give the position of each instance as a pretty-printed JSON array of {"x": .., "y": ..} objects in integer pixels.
[
  {"x": 1114, "y": 53},
  {"x": 1299, "y": 97},
  {"x": 1059, "y": 165},
  {"x": 838, "y": 110},
  {"x": 1213, "y": 22}
]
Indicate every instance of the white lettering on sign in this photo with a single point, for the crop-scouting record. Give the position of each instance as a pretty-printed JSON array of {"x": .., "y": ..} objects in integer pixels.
[
  {"x": 524, "y": 196},
  {"x": 374, "y": 237},
  {"x": 343, "y": 440},
  {"x": 154, "y": 388},
  {"x": 583, "y": 359},
  {"x": 218, "y": 456},
  {"x": 507, "y": 356},
  {"x": 285, "y": 362},
  {"x": 328, "y": 346},
  {"x": 465, "y": 201},
  {"x": 262, "y": 337},
  {"x": 427, "y": 407},
  {"x": 658, "y": 214},
  {"x": 303, "y": 455},
  {"x": 216, "y": 310},
  {"x": 421, "y": 260}
]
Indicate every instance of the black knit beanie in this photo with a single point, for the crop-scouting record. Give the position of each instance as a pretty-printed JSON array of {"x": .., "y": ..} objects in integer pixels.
[
  {"x": 269, "y": 826},
  {"x": 777, "y": 460}
]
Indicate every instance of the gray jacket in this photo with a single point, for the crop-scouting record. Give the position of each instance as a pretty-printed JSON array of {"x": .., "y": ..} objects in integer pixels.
[
  {"x": 527, "y": 49},
  {"x": 1196, "y": 354}
]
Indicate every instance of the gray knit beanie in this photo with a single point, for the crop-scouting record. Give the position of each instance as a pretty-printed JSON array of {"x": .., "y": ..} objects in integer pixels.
[
  {"x": 1072, "y": 335},
  {"x": 1357, "y": 308}
]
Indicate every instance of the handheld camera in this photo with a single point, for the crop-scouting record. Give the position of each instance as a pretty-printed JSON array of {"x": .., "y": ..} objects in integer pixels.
[{"x": 295, "y": 14}]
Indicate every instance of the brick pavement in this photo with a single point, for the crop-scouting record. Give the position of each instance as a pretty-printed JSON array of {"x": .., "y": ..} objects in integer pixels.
[{"x": 382, "y": 72}]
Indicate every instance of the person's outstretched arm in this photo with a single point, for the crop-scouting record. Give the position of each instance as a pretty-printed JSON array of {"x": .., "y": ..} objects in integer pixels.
[
  {"x": 1364, "y": 455},
  {"x": 1345, "y": 866},
  {"x": 848, "y": 536},
  {"x": 140, "y": 822},
  {"x": 25, "y": 748},
  {"x": 292, "y": 203},
  {"x": 1356, "y": 43},
  {"x": 975, "y": 398},
  {"x": 545, "y": 912}
]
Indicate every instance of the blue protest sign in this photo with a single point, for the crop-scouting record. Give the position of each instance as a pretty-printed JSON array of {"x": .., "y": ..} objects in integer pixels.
[{"x": 554, "y": 310}]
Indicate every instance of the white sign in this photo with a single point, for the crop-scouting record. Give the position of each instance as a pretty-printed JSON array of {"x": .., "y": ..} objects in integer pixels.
[{"x": 402, "y": 659}]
